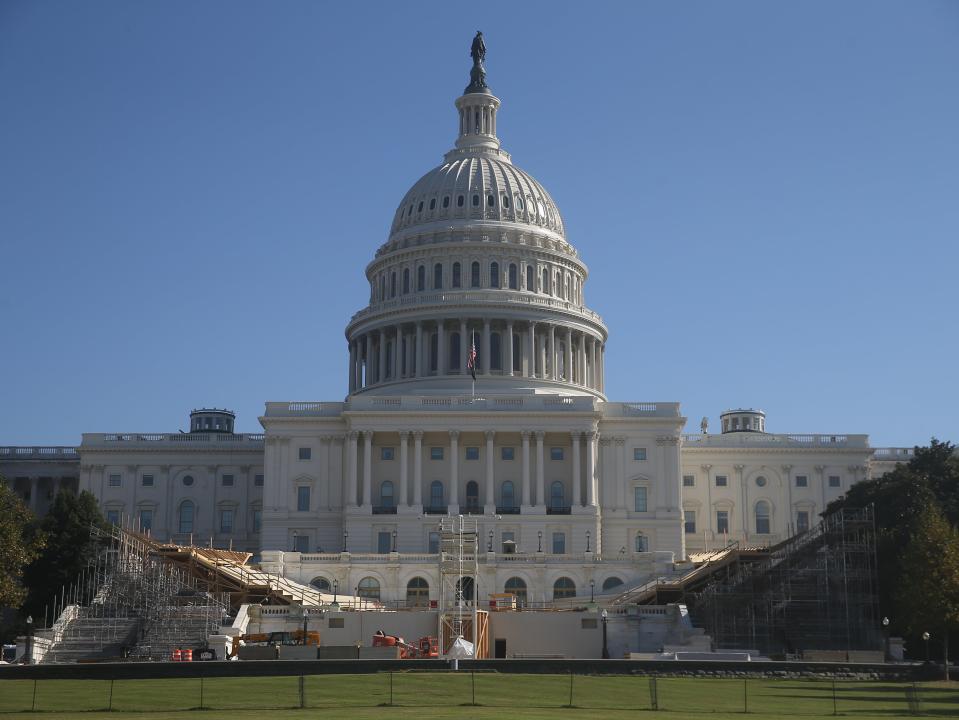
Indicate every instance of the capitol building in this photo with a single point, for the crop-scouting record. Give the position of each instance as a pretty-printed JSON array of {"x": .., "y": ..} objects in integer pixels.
[{"x": 475, "y": 386}]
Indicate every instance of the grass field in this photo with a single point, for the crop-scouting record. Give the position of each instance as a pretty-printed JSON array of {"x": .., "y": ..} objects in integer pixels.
[{"x": 426, "y": 695}]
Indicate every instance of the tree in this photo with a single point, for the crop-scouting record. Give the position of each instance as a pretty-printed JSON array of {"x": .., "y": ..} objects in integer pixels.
[
  {"x": 928, "y": 593},
  {"x": 69, "y": 549},
  {"x": 20, "y": 542}
]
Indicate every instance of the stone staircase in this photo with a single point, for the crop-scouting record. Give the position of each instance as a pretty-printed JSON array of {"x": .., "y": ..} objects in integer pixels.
[{"x": 89, "y": 636}]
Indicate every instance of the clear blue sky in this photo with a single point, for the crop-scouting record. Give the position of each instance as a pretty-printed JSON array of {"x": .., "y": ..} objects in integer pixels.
[{"x": 766, "y": 193}]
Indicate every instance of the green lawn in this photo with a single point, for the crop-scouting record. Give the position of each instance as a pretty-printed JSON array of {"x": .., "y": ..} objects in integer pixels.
[{"x": 426, "y": 695}]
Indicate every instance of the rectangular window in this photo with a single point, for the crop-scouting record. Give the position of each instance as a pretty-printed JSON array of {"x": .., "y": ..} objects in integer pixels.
[
  {"x": 335, "y": 623},
  {"x": 559, "y": 543},
  {"x": 556, "y": 453},
  {"x": 436, "y": 453},
  {"x": 510, "y": 538},
  {"x": 472, "y": 453},
  {"x": 802, "y": 521},
  {"x": 301, "y": 543},
  {"x": 258, "y": 480},
  {"x": 257, "y": 519},
  {"x": 146, "y": 520},
  {"x": 434, "y": 543},
  {"x": 834, "y": 481},
  {"x": 639, "y": 453},
  {"x": 508, "y": 453},
  {"x": 721, "y": 481},
  {"x": 227, "y": 481},
  {"x": 639, "y": 499},
  {"x": 226, "y": 521},
  {"x": 386, "y": 453},
  {"x": 147, "y": 481},
  {"x": 306, "y": 453},
  {"x": 802, "y": 481},
  {"x": 383, "y": 540},
  {"x": 303, "y": 498},
  {"x": 689, "y": 521},
  {"x": 689, "y": 480},
  {"x": 115, "y": 479},
  {"x": 722, "y": 521},
  {"x": 113, "y": 517}
]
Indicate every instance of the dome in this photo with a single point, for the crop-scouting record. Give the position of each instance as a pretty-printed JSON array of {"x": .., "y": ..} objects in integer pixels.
[{"x": 472, "y": 186}]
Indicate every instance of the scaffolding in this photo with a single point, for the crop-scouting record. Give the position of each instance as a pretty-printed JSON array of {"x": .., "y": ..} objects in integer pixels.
[
  {"x": 815, "y": 591},
  {"x": 459, "y": 616}
]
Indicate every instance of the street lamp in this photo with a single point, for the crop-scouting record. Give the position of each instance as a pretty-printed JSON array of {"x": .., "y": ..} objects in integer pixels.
[
  {"x": 295, "y": 533},
  {"x": 29, "y": 649},
  {"x": 885, "y": 634},
  {"x": 346, "y": 535},
  {"x": 591, "y": 584},
  {"x": 925, "y": 637},
  {"x": 335, "y": 605},
  {"x": 605, "y": 648},
  {"x": 539, "y": 538},
  {"x": 394, "y": 541},
  {"x": 489, "y": 545},
  {"x": 587, "y": 541}
]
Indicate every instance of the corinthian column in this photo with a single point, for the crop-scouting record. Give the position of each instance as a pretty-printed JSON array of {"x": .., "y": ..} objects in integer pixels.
[
  {"x": 540, "y": 469},
  {"x": 526, "y": 480}
]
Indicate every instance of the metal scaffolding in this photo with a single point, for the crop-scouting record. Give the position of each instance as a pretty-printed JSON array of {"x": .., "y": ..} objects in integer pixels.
[{"x": 459, "y": 570}]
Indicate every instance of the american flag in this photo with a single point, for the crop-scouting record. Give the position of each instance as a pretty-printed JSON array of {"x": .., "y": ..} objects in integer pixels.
[{"x": 471, "y": 358}]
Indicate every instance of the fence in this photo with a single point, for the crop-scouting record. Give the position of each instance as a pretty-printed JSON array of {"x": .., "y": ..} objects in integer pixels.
[{"x": 799, "y": 697}]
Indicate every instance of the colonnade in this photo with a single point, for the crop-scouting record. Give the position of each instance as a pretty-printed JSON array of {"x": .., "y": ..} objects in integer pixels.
[
  {"x": 532, "y": 492},
  {"x": 431, "y": 348}
]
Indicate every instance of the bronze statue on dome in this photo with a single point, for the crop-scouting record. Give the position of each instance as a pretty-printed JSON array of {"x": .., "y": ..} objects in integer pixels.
[{"x": 478, "y": 71}]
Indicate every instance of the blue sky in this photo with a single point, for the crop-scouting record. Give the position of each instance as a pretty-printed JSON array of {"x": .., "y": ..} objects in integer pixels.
[{"x": 766, "y": 193}]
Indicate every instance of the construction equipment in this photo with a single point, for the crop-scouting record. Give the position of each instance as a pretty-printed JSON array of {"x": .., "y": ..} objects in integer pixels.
[
  {"x": 273, "y": 638},
  {"x": 425, "y": 647}
]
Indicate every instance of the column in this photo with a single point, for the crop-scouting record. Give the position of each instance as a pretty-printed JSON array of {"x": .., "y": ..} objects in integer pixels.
[
  {"x": 352, "y": 370},
  {"x": 367, "y": 352},
  {"x": 540, "y": 469},
  {"x": 484, "y": 355},
  {"x": 581, "y": 364},
  {"x": 441, "y": 354},
  {"x": 490, "y": 490},
  {"x": 367, "y": 467},
  {"x": 454, "y": 471},
  {"x": 592, "y": 350},
  {"x": 531, "y": 351},
  {"x": 509, "y": 348},
  {"x": 463, "y": 348},
  {"x": 542, "y": 358},
  {"x": 602, "y": 368},
  {"x": 396, "y": 354},
  {"x": 404, "y": 468},
  {"x": 592, "y": 483},
  {"x": 418, "y": 351},
  {"x": 568, "y": 360},
  {"x": 574, "y": 436},
  {"x": 351, "y": 471},
  {"x": 418, "y": 468},
  {"x": 552, "y": 354},
  {"x": 381, "y": 362},
  {"x": 525, "y": 435}
]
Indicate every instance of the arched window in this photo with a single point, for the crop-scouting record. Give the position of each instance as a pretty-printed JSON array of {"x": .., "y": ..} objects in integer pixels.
[
  {"x": 564, "y": 588},
  {"x": 545, "y": 287},
  {"x": 530, "y": 279},
  {"x": 513, "y": 280},
  {"x": 472, "y": 495},
  {"x": 446, "y": 201},
  {"x": 517, "y": 587},
  {"x": 476, "y": 201},
  {"x": 459, "y": 201},
  {"x": 321, "y": 584},
  {"x": 517, "y": 354},
  {"x": 495, "y": 356},
  {"x": 494, "y": 274},
  {"x": 475, "y": 275},
  {"x": 641, "y": 543},
  {"x": 611, "y": 582},
  {"x": 437, "y": 276},
  {"x": 559, "y": 285},
  {"x": 432, "y": 203},
  {"x": 369, "y": 587},
  {"x": 457, "y": 278},
  {"x": 557, "y": 496},
  {"x": 393, "y": 284},
  {"x": 567, "y": 287},
  {"x": 506, "y": 201},
  {"x": 507, "y": 494},
  {"x": 386, "y": 494},
  {"x": 436, "y": 494},
  {"x": 418, "y": 592},
  {"x": 519, "y": 202},
  {"x": 455, "y": 352},
  {"x": 419, "y": 208},
  {"x": 762, "y": 518},
  {"x": 406, "y": 280},
  {"x": 421, "y": 278},
  {"x": 185, "y": 517}
]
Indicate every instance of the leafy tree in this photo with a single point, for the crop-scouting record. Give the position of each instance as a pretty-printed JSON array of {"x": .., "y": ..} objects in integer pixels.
[
  {"x": 928, "y": 592},
  {"x": 20, "y": 542}
]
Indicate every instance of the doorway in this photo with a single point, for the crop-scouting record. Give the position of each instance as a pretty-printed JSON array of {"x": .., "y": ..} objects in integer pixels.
[{"x": 499, "y": 648}]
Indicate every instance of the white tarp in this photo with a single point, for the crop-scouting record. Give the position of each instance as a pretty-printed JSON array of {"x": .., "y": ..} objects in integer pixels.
[{"x": 460, "y": 649}]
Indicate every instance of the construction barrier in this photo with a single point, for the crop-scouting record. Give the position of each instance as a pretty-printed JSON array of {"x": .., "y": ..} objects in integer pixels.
[
  {"x": 188, "y": 655},
  {"x": 176, "y": 655}
]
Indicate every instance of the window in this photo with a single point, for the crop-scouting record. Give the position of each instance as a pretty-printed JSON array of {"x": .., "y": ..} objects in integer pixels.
[
  {"x": 418, "y": 592},
  {"x": 436, "y": 494},
  {"x": 383, "y": 542},
  {"x": 386, "y": 453},
  {"x": 257, "y": 520},
  {"x": 507, "y": 494},
  {"x": 721, "y": 481},
  {"x": 639, "y": 454},
  {"x": 472, "y": 453},
  {"x": 146, "y": 520},
  {"x": 689, "y": 521},
  {"x": 437, "y": 276},
  {"x": 802, "y": 521},
  {"x": 491, "y": 200},
  {"x": 507, "y": 453},
  {"x": 459, "y": 201},
  {"x": 369, "y": 588},
  {"x": 802, "y": 481},
  {"x": 761, "y": 481},
  {"x": 545, "y": 287},
  {"x": 226, "y": 521},
  {"x": 115, "y": 479},
  {"x": 611, "y": 582},
  {"x": 505, "y": 201},
  {"x": 516, "y": 586},
  {"x": 147, "y": 481},
  {"x": 472, "y": 494},
  {"x": 834, "y": 481},
  {"x": 722, "y": 521},
  {"x": 494, "y": 275},
  {"x": 530, "y": 282},
  {"x": 386, "y": 494},
  {"x": 446, "y": 201},
  {"x": 393, "y": 284},
  {"x": 556, "y": 453},
  {"x": 306, "y": 453},
  {"x": 335, "y": 623},
  {"x": 188, "y": 480},
  {"x": 303, "y": 498},
  {"x": 258, "y": 480},
  {"x": 113, "y": 517},
  {"x": 762, "y": 518},
  {"x": 321, "y": 584},
  {"x": 227, "y": 481},
  {"x": 432, "y": 203},
  {"x": 512, "y": 279},
  {"x": 559, "y": 543},
  {"x": 564, "y": 588},
  {"x": 557, "y": 496},
  {"x": 457, "y": 276},
  {"x": 436, "y": 453},
  {"x": 406, "y": 280},
  {"x": 421, "y": 278},
  {"x": 475, "y": 200},
  {"x": 689, "y": 481},
  {"x": 641, "y": 543},
  {"x": 475, "y": 275},
  {"x": 639, "y": 499},
  {"x": 433, "y": 543},
  {"x": 185, "y": 517}
]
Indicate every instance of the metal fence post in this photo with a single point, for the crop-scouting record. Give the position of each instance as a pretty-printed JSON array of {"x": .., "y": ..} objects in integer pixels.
[
  {"x": 33, "y": 705},
  {"x": 473, "y": 684},
  {"x": 570, "y": 689},
  {"x": 745, "y": 695},
  {"x": 653, "y": 694},
  {"x": 201, "y": 692},
  {"x": 834, "y": 710},
  {"x": 110, "y": 702},
  {"x": 302, "y": 693},
  {"x": 391, "y": 688}
]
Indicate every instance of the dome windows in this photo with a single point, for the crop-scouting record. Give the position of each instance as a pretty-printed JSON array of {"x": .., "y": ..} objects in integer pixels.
[
  {"x": 419, "y": 208},
  {"x": 506, "y": 202},
  {"x": 475, "y": 274},
  {"x": 513, "y": 284},
  {"x": 519, "y": 203},
  {"x": 460, "y": 199},
  {"x": 437, "y": 276},
  {"x": 494, "y": 275},
  {"x": 491, "y": 200},
  {"x": 406, "y": 280},
  {"x": 421, "y": 278},
  {"x": 545, "y": 288},
  {"x": 530, "y": 279},
  {"x": 457, "y": 276},
  {"x": 475, "y": 200},
  {"x": 432, "y": 203},
  {"x": 446, "y": 201},
  {"x": 410, "y": 212}
]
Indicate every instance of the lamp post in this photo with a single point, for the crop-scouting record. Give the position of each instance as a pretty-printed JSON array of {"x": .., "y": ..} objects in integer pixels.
[
  {"x": 539, "y": 538},
  {"x": 306, "y": 622},
  {"x": 335, "y": 605},
  {"x": 29, "y": 648},
  {"x": 925, "y": 637},
  {"x": 605, "y": 648},
  {"x": 591, "y": 584},
  {"x": 346, "y": 536},
  {"x": 394, "y": 541},
  {"x": 295, "y": 534},
  {"x": 885, "y": 637},
  {"x": 489, "y": 545},
  {"x": 587, "y": 541}
]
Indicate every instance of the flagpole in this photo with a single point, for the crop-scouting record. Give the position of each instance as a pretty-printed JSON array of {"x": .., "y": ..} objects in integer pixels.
[{"x": 473, "y": 346}]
